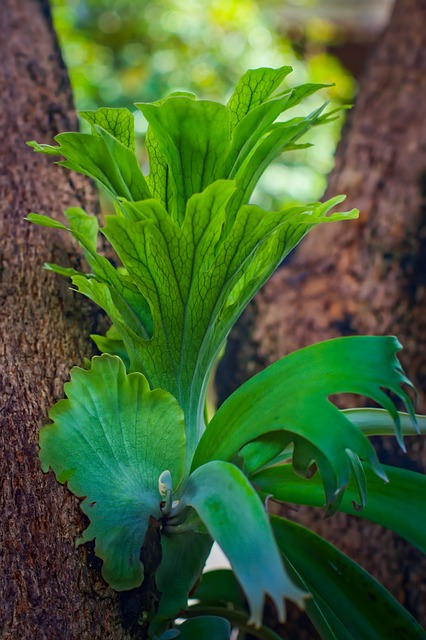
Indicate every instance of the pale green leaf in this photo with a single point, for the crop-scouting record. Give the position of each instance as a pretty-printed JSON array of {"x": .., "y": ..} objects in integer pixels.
[
  {"x": 118, "y": 122},
  {"x": 234, "y": 515},
  {"x": 297, "y": 94},
  {"x": 399, "y": 505},
  {"x": 68, "y": 272},
  {"x": 344, "y": 595},
  {"x": 112, "y": 343},
  {"x": 375, "y": 422},
  {"x": 110, "y": 288},
  {"x": 250, "y": 130},
  {"x": 279, "y": 138},
  {"x": 253, "y": 88},
  {"x": 83, "y": 225},
  {"x": 158, "y": 179},
  {"x": 292, "y": 396},
  {"x": 44, "y": 221},
  {"x": 126, "y": 308},
  {"x": 43, "y": 148},
  {"x": 101, "y": 157},
  {"x": 193, "y": 137},
  {"x": 110, "y": 441}
]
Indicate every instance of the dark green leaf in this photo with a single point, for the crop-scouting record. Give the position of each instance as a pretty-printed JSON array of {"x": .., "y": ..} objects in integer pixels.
[
  {"x": 184, "y": 557},
  {"x": 208, "y": 627},
  {"x": 220, "y": 587},
  {"x": 398, "y": 505},
  {"x": 238, "y": 619},
  {"x": 343, "y": 593},
  {"x": 292, "y": 396}
]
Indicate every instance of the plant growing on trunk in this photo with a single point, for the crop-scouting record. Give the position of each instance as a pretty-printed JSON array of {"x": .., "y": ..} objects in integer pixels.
[{"x": 131, "y": 437}]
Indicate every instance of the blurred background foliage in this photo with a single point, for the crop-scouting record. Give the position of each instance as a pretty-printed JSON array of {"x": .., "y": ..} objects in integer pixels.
[{"x": 122, "y": 51}]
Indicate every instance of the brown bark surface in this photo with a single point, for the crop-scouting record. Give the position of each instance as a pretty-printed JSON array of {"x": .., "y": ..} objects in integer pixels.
[
  {"x": 366, "y": 277},
  {"x": 47, "y": 589}
]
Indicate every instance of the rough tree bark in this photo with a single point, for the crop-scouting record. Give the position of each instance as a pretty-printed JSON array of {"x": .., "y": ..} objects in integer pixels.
[
  {"x": 48, "y": 589},
  {"x": 365, "y": 277}
]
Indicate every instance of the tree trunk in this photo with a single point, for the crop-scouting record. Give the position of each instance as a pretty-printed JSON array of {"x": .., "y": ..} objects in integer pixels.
[
  {"x": 366, "y": 277},
  {"x": 48, "y": 588}
]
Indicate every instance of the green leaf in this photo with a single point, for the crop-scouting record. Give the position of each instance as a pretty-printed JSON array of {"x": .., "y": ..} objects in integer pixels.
[
  {"x": 197, "y": 278},
  {"x": 44, "y": 221},
  {"x": 118, "y": 122},
  {"x": 238, "y": 619},
  {"x": 112, "y": 343},
  {"x": 220, "y": 587},
  {"x": 158, "y": 179},
  {"x": 83, "y": 225},
  {"x": 249, "y": 131},
  {"x": 85, "y": 229},
  {"x": 281, "y": 137},
  {"x": 108, "y": 287},
  {"x": 292, "y": 396},
  {"x": 193, "y": 260},
  {"x": 104, "y": 159},
  {"x": 253, "y": 88},
  {"x": 297, "y": 94},
  {"x": 266, "y": 449},
  {"x": 110, "y": 441},
  {"x": 234, "y": 516},
  {"x": 210, "y": 627},
  {"x": 43, "y": 148},
  {"x": 174, "y": 308},
  {"x": 68, "y": 272},
  {"x": 170, "y": 634},
  {"x": 359, "y": 478},
  {"x": 398, "y": 505},
  {"x": 345, "y": 595},
  {"x": 120, "y": 298},
  {"x": 193, "y": 137},
  {"x": 375, "y": 422},
  {"x": 180, "y": 286},
  {"x": 184, "y": 556}
]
